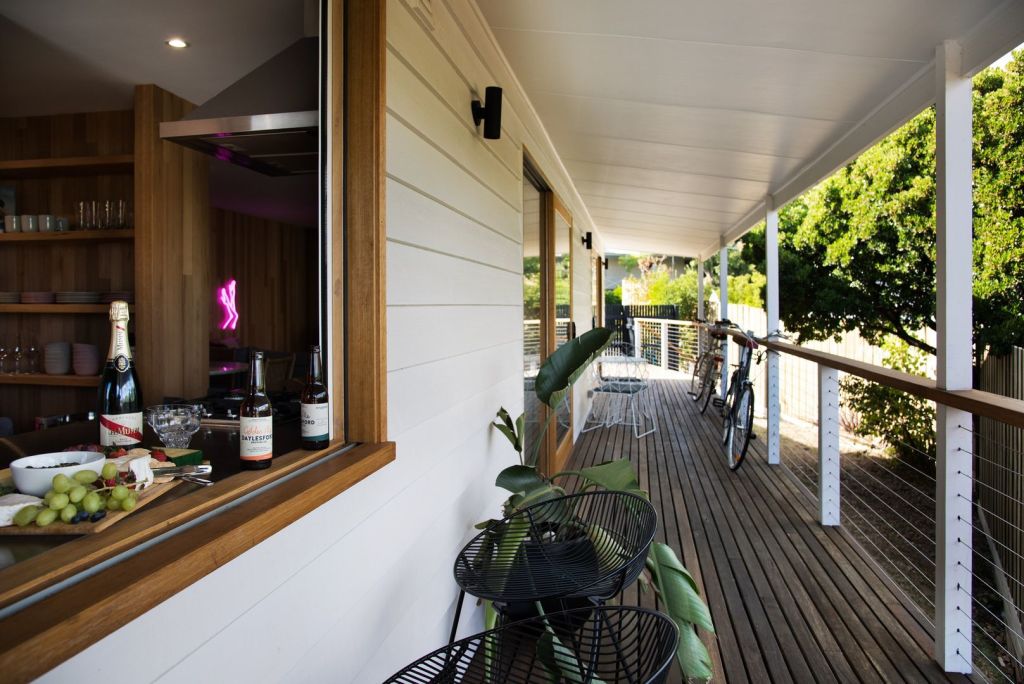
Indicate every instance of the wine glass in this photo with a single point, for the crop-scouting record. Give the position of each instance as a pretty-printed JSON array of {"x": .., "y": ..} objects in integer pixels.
[
  {"x": 18, "y": 360},
  {"x": 174, "y": 424},
  {"x": 3, "y": 358}
]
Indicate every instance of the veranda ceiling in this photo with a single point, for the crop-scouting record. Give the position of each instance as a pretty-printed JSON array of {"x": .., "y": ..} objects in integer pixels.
[{"x": 676, "y": 119}]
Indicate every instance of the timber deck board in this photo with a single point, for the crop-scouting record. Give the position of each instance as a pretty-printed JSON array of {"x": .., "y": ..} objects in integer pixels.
[{"x": 792, "y": 601}]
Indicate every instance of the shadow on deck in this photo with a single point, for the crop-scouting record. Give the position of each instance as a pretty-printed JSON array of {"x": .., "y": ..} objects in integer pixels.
[{"x": 791, "y": 600}]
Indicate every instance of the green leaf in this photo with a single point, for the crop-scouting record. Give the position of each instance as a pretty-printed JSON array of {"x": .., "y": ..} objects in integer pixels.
[
  {"x": 567, "y": 364},
  {"x": 520, "y": 479},
  {"x": 683, "y": 603},
  {"x": 617, "y": 476},
  {"x": 509, "y": 435},
  {"x": 691, "y": 651},
  {"x": 609, "y": 552},
  {"x": 560, "y": 661},
  {"x": 505, "y": 418}
]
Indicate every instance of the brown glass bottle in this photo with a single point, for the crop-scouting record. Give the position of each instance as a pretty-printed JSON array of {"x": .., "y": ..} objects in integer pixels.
[
  {"x": 315, "y": 404},
  {"x": 256, "y": 419}
]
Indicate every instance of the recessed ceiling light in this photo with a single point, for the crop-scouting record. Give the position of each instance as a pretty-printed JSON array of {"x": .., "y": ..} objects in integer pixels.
[{"x": 177, "y": 43}]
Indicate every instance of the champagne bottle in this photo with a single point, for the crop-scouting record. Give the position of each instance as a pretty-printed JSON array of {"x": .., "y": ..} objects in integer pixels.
[
  {"x": 120, "y": 395},
  {"x": 315, "y": 404},
  {"x": 256, "y": 419}
]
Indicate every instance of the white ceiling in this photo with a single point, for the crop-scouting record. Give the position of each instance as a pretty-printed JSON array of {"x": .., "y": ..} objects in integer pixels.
[
  {"x": 676, "y": 119},
  {"x": 59, "y": 56}
]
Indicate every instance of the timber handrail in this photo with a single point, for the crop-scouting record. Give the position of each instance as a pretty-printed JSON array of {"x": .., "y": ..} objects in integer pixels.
[{"x": 997, "y": 407}]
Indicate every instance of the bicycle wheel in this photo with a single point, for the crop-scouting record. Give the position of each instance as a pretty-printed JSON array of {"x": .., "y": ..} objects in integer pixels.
[
  {"x": 698, "y": 375},
  {"x": 742, "y": 423},
  {"x": 730, "y": 395},
  {"x": 708, "y": 386}
]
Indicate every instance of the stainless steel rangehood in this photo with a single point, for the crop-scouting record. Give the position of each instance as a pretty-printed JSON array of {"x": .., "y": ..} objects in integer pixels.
[{"x": 266, "y": 121}]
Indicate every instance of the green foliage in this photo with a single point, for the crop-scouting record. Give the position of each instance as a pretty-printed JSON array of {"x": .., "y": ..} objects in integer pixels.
[
  {"x": 567, "y": 363},
  {"x": 613, "y": 296},
  {"x": 904, "y": 422},
  {"x": 629, "y": 262},
  {"x": 858, "y": 251}
]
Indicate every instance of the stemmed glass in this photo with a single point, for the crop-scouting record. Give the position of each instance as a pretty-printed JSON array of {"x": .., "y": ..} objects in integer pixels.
[
  {"x": 3, "y": 358},
  {"x": 174, "y": 424}
]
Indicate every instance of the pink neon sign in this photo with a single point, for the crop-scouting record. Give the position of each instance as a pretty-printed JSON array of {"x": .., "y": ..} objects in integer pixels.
[{"x": 226, "y": 296}]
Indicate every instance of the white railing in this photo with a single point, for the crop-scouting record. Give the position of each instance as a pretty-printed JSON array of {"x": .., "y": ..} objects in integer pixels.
[{"x": 932, "y": 518}]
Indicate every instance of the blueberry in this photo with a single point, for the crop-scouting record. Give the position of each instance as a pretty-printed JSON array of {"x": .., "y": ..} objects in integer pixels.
[{"x": 98, "y": 515}]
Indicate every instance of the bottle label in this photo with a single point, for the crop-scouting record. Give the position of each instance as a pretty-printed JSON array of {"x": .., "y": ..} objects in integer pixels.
[
  {"x": 315, "y": 418},
  {"x": 257, "y": 438},
  {"x": 118, "y": 429}
]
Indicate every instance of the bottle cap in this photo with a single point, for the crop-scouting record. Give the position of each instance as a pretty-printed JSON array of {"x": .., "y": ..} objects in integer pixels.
[{"x": 119, "y": 310}]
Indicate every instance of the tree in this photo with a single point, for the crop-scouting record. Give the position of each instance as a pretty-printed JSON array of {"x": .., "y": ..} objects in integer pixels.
[{"x": 858, "y": 250}]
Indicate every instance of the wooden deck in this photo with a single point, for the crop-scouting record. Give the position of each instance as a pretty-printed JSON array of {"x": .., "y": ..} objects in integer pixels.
[{"x": 792, "y": 601}]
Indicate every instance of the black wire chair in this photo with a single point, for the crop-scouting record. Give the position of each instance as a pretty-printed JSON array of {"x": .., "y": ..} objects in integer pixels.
[
  {"x": 611, "y": 644},
  {"x": 580, "y": 549}
]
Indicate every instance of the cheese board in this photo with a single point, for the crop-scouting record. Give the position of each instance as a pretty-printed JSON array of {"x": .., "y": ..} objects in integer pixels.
[{"x": 145, "y": 497}]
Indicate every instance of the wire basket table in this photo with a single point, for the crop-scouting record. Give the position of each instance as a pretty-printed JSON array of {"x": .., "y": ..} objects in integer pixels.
[
  {"x": 582, "y": 546},
  {"x": 612, "y": 644}
]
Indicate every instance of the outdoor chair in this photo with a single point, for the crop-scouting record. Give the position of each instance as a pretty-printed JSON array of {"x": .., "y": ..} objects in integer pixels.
[
  {"x": 576, "y": 550},
  {"x": 608, "y": 644}
]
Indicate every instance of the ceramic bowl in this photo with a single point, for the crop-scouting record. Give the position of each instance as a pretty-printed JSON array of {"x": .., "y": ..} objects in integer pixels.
[{"x": 33, "y": 475}]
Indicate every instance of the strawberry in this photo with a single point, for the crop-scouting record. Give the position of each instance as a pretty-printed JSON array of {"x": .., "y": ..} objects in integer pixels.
[{"x": 159, "y": 455}]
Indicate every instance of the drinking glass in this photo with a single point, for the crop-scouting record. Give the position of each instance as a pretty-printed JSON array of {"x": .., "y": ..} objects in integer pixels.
[
  {"x": 18, "y": 360},
  {"x": 3, "y": 358},
  {"x": 86, "y": 214},
  {"x": 120, "y": 216},
  {"x": 32, "y": 359},
  {"x": 174, "y": 424},
  {"x": 105, "y": 214}
]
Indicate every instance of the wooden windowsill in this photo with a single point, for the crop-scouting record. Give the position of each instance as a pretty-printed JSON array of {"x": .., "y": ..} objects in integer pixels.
[{"x": 148, "y": 577}]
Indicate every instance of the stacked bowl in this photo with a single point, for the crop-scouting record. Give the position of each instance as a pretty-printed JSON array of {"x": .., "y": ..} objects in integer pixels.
[
  {"x": 10, "y": 297},
  {"x": 86, "y": 359},
  {"x": 78, "y": 297},
  {"x": 37, "y": 298},
  {"x": 57, "y": 358}
]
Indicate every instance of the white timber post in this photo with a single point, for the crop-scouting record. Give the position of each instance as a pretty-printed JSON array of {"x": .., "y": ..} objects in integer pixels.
[
  {"x": 700, "y": 304},
  {"x": 723, "y": 305},
  {"x": 829, "y": 491},
  {"x": 664, "y": 344},
  {"x": 772, "y": 309},
  {"x": 954, "y": 358}
]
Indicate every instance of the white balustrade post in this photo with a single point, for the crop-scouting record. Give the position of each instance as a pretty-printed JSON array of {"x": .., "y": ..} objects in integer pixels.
[
  {"x": 700, "y": 304},
  {"x": 664, "y": 344},
  {"x": 954, "y": 359},
  {"x": 723, "y": 305},
  {"x": 772, "y": 311},
  {"x": 829, "y": 491}
]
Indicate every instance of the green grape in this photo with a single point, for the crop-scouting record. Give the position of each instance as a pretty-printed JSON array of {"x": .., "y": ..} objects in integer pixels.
[
  {"x": 92, "y": 502},
  {"x": 129, "y": 503},
  {"x": 49, "y": 495},
  {"x": 68, "y": 512},
  {"x": 59, "y": 501},
  {"x": 120, "y": 492},
  {"x": 77, "y": 493},
  {"x": 26, "y": 515},
  {"x": 113, "y": 504},
  {"x": 45, "y": 517},
  {"x": 109, "y": 471},
  {"x": 61, "y": 483},
  {"x": 86, "y": 476}
]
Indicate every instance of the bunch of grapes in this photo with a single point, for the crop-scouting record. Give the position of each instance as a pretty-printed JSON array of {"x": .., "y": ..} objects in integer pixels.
[{"x": 83, "y": 496}]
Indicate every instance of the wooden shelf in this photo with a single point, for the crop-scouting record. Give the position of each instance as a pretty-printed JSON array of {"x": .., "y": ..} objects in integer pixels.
[
  {"x": 69, "y": 236},
  {"x": 57, "y": 308},
  {"x": 56, "y": 166},
  {"x": 50, "y": 380}
]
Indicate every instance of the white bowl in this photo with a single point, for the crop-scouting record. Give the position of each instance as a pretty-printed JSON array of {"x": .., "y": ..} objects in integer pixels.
[{"x": 36, "y": 481}]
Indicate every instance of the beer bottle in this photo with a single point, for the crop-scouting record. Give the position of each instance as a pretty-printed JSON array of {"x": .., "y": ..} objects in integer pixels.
[
  {"x": 119, "y": 394},
  {"x": 256, "y": 419},
  {"x": 315, "y": 404}
]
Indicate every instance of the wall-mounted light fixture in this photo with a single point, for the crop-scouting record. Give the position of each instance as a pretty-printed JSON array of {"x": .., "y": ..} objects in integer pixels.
[
  {"x": 489, "y": 111},
  {"x": 588, "y": 240},
  {"x": 604, "y": 262}
]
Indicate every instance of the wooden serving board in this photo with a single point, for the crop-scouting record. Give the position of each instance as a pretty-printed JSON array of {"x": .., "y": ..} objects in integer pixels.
[{"x": 62, "y": 528}]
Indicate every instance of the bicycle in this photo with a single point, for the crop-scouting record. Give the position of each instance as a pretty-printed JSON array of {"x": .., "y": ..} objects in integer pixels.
[
  {"x": 708, "y": 366},
  {"x": 738, "y": 406}
]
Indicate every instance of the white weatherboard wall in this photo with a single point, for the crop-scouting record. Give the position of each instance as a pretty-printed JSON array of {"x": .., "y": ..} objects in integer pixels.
[{"x": 363, "y": 584}]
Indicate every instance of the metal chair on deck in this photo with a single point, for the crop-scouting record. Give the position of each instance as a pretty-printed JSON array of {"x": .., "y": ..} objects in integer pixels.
[
  {"x": 605, "y": 644},
  {"x": 580, "y": 549}
]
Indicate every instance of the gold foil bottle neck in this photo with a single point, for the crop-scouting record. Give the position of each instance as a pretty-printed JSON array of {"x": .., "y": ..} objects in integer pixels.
[{"x": 119, "y": 310}]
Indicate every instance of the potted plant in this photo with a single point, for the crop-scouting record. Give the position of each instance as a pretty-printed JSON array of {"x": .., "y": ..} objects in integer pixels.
[{"x": 527, "y": 485}]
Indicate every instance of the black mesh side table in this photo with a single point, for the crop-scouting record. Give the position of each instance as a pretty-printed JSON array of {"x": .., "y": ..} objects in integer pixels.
[
  {"x": 611, "y": 644},
  {"x": 582, "y": 546}
]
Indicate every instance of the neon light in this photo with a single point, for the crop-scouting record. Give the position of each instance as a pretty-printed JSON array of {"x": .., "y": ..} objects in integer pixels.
[{"x": 226, "y": 296}]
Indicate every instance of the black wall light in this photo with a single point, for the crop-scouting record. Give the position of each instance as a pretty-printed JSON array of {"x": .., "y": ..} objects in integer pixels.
[
  {"x": 489, "y": 112},
  {"x": 605, "y": 264},
  {"x": 588, "y": 240}
]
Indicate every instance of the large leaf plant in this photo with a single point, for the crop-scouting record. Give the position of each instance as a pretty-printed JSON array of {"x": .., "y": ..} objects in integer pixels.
[{"x": 674, "y": 586}]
